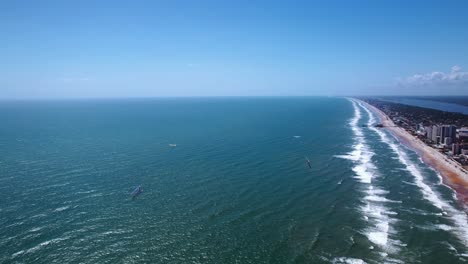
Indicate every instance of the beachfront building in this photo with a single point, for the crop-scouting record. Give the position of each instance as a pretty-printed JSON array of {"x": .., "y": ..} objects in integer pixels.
[
  {"x": 448, "y": 131},
  {"x": 463, "y": 134},
  {"x": 435, "y": 135},
  {"x": 447, "y": 141},
  {"x": 428, "y": 130},
  {"x": 445, "y": 134},
  {"x": 455, "y": 148}
]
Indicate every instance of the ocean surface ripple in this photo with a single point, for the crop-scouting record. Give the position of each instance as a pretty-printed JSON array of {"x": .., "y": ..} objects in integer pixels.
[{"x": 235, "y": 187}]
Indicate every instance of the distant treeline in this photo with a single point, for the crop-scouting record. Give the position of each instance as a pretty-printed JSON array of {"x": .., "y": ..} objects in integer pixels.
[
  {"x": 460, "y": 100},
  {"x": 419, "y": 115}
]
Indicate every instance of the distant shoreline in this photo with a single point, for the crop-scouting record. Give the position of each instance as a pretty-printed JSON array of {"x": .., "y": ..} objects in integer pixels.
[
  {"x": 452, "y": 174},
  {"x": 438, "y": 105}
]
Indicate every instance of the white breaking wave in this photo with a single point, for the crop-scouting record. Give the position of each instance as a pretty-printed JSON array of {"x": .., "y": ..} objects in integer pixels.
[
  {"x": 61, "y": 208},
  {"x": 39, "y": 246},
  {"x": 348, "y": 261},
  {"x": 374, "y": 209},
  {"x": 459, "y": 218}
]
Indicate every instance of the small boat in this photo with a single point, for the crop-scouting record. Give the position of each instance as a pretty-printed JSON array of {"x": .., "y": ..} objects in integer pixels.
[
  {"x": 308, "y": 162},
  {"x": 172, "y": 145},
  {"x": 138, "y": 190}
]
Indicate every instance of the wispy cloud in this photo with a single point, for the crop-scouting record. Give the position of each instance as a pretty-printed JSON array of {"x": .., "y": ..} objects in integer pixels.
[{"x": 455, "y": 78}]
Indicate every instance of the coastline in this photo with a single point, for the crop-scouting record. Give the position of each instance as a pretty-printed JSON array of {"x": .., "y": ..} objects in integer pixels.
[{"x": 451, "y": 173}]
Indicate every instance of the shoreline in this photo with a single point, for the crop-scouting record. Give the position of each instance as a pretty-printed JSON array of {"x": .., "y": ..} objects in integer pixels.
[{"x": 451, "y": 175}]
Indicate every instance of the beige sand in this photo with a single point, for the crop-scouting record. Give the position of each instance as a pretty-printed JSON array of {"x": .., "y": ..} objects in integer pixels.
[{"x": 452, "y": 173}]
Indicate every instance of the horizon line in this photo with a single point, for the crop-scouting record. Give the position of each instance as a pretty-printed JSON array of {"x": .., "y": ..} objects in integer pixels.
[{"x": 199, "y": 96}]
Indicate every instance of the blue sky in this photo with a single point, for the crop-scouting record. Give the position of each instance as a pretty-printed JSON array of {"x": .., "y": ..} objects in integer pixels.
[{"x": 60, "y": 49}]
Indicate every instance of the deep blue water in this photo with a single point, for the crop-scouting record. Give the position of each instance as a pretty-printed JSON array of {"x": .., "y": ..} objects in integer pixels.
[{"x": 235, "y": 189}]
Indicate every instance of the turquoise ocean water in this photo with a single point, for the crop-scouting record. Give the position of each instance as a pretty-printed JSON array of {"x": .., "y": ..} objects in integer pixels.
[{"x": 235, "y": 189}]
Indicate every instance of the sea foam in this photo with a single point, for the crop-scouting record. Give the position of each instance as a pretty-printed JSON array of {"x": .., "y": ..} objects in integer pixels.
[
  {"x": 348, "y": 261},
  {"x": 374, "y": 211},
  {"x": 459, "y": 218}
]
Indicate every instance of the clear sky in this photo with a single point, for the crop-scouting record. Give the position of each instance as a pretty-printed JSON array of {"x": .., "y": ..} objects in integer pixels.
[{"x": 56, "y": 49}]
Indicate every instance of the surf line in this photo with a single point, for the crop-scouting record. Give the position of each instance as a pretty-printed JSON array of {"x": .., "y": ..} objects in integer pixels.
[
  {"x": 374, "y": 209},
  {"x": 458, "y": 218}
]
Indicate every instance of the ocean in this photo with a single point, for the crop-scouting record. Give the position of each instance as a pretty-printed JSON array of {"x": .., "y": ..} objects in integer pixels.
[{"x": 235, "y": 188}]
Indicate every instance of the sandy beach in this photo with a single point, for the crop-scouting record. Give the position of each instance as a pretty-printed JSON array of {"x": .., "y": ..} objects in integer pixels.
[{"x": 452, "y": 173}]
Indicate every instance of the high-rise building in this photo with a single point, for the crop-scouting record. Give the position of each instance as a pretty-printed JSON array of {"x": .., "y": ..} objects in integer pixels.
[
  {"x": 453, "y": 132},
  {"x": 429, "y": 132},
  {"x": 439, "y": 134},
  {"x": 463, "y": 134},
  {"x": 448, "y": 131},
  {"x": 447, "y": 141},
  {"x": 455, "y": 148},
  {"x": 435, "y": 133}
]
